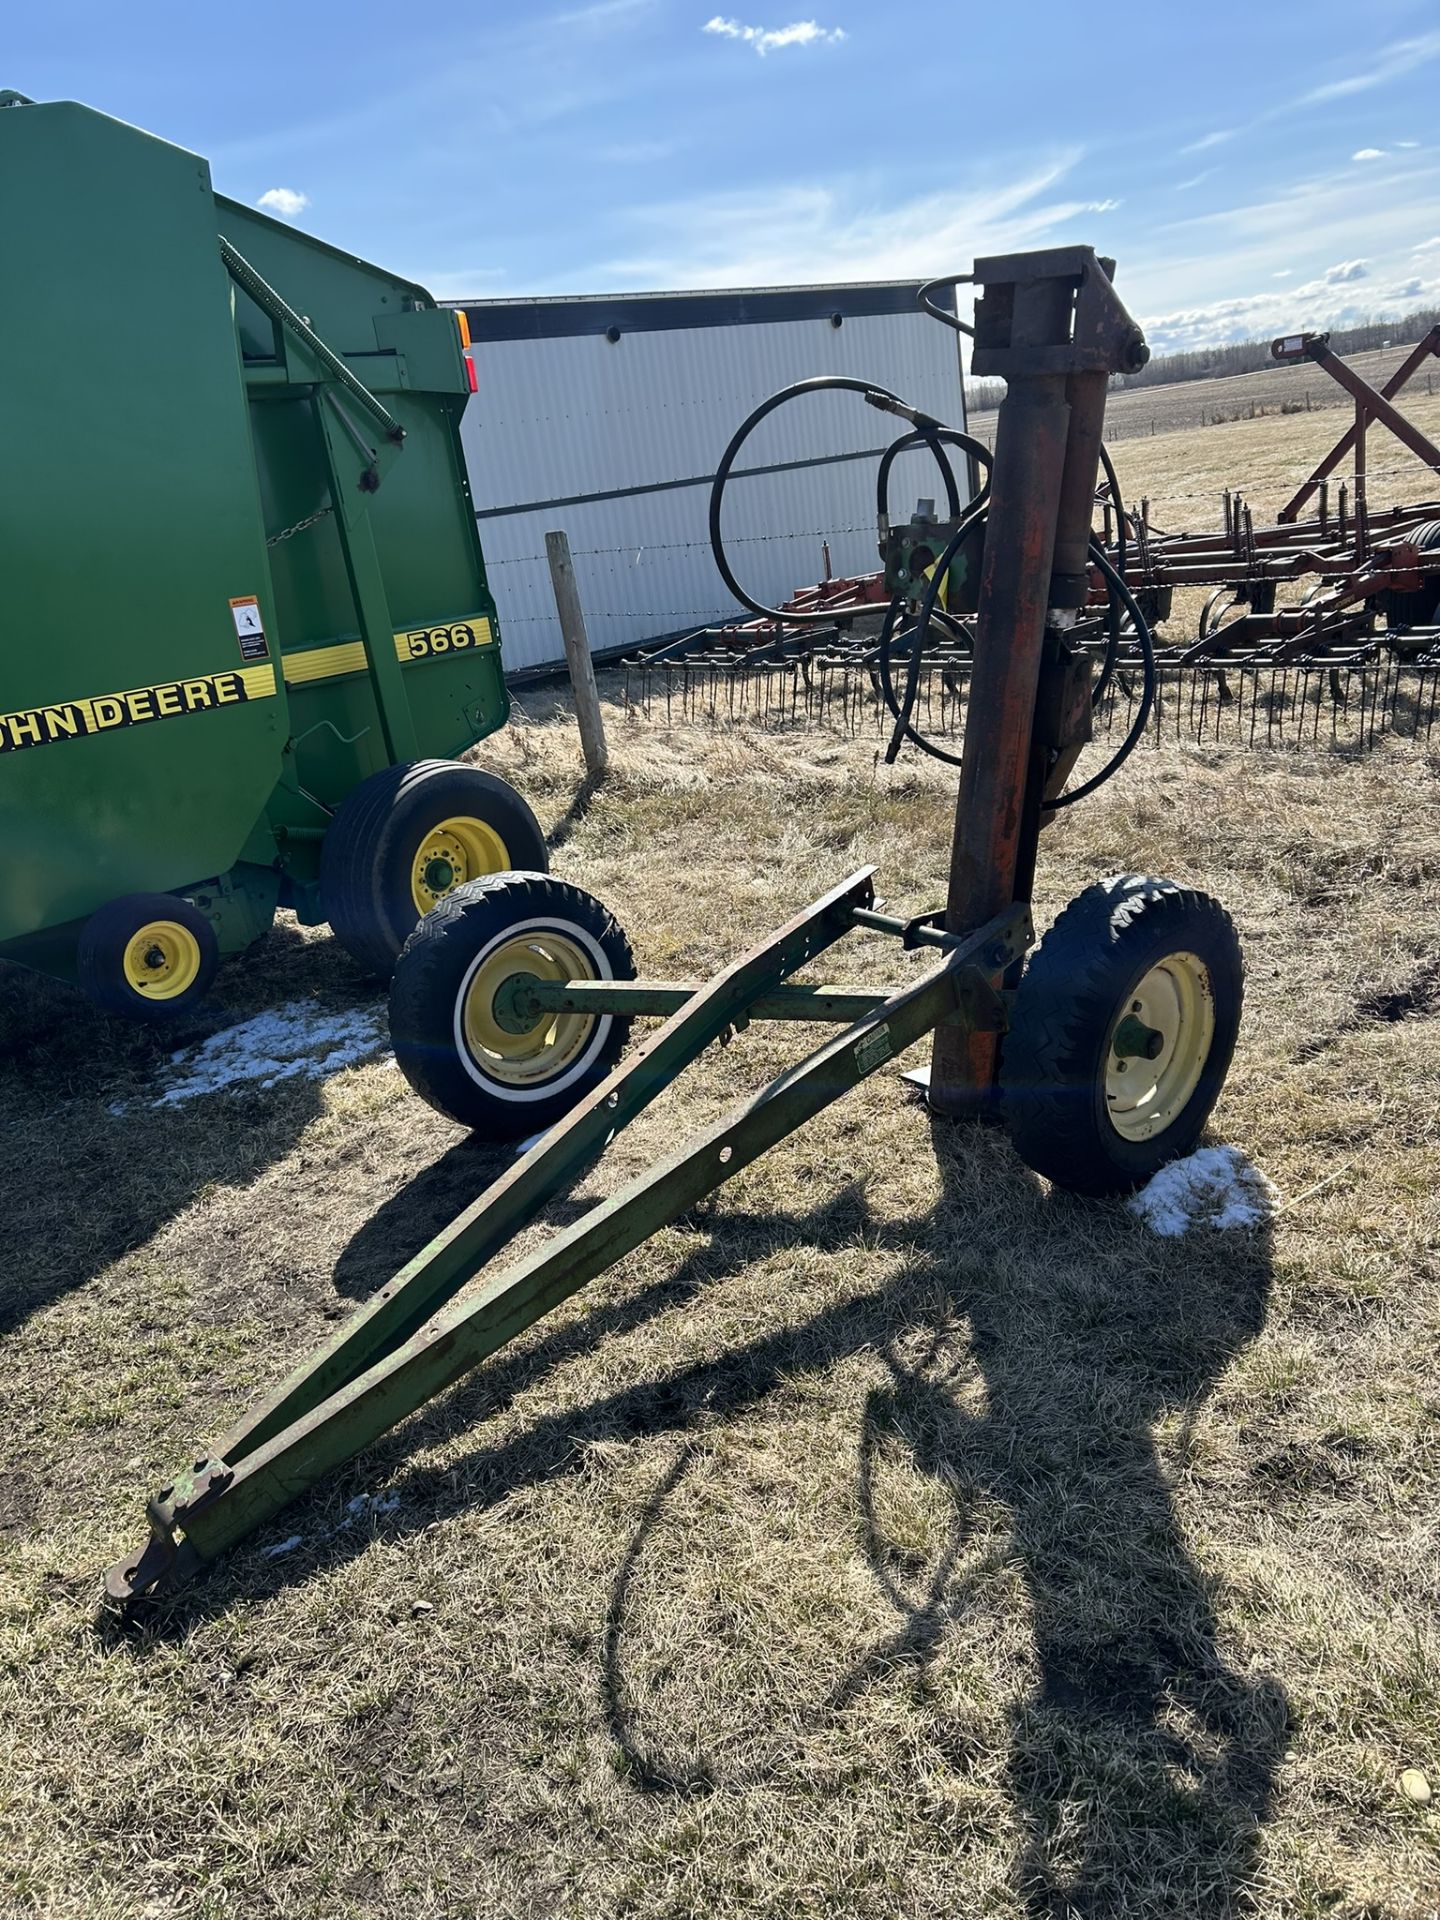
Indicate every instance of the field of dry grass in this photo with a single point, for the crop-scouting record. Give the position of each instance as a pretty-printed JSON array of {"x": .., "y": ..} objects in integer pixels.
[
  {"x": 1185, "y": 474},
  {"x": 892, "y": 1537},
  {"x": 1186, "y": 404}
]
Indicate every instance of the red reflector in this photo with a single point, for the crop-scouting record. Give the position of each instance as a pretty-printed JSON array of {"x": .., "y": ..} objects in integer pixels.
[{"x": 470, "y": 374}]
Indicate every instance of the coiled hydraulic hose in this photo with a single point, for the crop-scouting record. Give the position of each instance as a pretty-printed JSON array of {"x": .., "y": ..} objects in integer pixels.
[
  {"x": 931, "y": 433},
  {"x": 908, "y": 443},
  {"x": 936, "y": 435}
]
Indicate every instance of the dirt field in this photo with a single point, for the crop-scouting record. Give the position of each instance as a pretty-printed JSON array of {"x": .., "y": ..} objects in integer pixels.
[
  {"x": 892, "y": 1537},
  {"x": 1196, "y": 403}
]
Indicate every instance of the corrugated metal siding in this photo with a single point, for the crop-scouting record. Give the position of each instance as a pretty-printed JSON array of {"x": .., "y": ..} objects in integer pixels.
[{"x": 555, "y": 418}]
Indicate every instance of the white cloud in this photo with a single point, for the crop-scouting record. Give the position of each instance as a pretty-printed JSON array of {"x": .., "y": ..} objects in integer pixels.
[
  {"x": 1394, "y": 62},
  {"x": 1344, "y": 272},
  {"x": 808, "y": 234},
  {"x": 1429, "y": 246},
  {"x": 800, "y": 33},
  {"x": 603, "y": 14},
  {"x": 1284, "y": 273},
  {"x": 1400, "y": 58},
  {"x": 1210, "y": 140},
  {"x": 1323, "y": 302},
  {"x": 285, "y": 201},
  {"x": 1374, "y": 212},
  {"x": 1369, "y": 153},
  {"x": 1184, "y": 186}
]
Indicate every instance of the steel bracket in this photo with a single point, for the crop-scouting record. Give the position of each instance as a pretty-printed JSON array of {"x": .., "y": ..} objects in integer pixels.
[{"x": 1102, "y": 336}]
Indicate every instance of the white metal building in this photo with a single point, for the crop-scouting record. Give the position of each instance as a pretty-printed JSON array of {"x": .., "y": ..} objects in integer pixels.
[{"x": 607, "y": 416}]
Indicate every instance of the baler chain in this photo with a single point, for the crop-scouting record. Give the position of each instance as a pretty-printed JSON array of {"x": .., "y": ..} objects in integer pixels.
[{"x": 300, "y": 526}]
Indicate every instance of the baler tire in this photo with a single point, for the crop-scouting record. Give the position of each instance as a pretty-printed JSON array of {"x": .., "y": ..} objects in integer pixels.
[
  {"x": 443, "y": 998},
  {"x": 165, "y": 982},
  {"x": 1130, "y": 945},
  {"x": 371, "y": 852}
]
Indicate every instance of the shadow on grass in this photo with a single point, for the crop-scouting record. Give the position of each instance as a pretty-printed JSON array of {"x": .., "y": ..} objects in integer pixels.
[
  {"x": 409, "y": 1220},
  {"x": 574, "y": 814},
  {"x": 90, "y": 1168},
  {"x": 1140, "y": 1762}
]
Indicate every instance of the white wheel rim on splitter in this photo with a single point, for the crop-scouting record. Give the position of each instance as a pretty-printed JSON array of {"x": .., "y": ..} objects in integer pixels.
[
  {"x": 1176, "y": 1000},
  {"x": 533, "y": 1073}
]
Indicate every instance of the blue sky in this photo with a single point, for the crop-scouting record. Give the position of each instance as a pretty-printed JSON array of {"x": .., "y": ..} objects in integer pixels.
[{"x": 1251, "y": 166}]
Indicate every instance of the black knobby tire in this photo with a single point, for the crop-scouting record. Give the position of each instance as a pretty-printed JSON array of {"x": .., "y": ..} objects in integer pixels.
[
  {"x": 1421, "y": 606},
  {"x": 368, "y": 856},
  {"x": 100, "y": 958},
  {"x": 1074, "y": 993},
  {"x": 435, "y": 977}
]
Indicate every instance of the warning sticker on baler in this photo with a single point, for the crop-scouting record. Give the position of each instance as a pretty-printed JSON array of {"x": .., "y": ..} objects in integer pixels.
[
  {"x": 249, "y": 628},
  {"x": 107, "y": 712}
]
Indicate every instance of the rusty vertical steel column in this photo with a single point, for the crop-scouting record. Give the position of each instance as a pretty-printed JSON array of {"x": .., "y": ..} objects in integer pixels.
[
  {"x": 1050, "y": 325},
  {"x": 1030, "y": 437}
]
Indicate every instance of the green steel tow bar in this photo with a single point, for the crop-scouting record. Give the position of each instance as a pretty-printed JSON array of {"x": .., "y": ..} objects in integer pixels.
[{"x": 415, "y": 1338}]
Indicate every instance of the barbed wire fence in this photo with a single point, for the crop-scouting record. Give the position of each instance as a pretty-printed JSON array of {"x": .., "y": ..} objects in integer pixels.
[{"x": 832, "y": 681}]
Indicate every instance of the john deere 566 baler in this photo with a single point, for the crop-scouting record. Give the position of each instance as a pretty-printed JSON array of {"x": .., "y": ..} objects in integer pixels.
[{"x": 244, "y": 619}]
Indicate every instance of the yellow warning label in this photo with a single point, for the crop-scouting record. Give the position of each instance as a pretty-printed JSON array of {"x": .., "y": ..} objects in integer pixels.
[{"x": 107, "y": 712}]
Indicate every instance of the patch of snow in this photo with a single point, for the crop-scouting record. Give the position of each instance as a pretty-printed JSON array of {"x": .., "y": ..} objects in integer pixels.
[
  {"x": 522, "y": 1147},
  {"x": 365, "y": 1504},
  {"x": 298, "y": 1040},
  {"x": 1213, "y": 1187},
  {"x": 356, "y": 1510}
]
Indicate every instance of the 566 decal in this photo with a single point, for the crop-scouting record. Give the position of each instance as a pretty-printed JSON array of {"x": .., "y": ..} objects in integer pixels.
[{"x": 459, "y": 636}]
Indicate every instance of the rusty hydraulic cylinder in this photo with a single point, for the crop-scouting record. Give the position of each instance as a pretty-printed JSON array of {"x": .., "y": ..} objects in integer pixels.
[
  {"x": 1050, "y": 325},
  {"x": 1010, "y": 629}
]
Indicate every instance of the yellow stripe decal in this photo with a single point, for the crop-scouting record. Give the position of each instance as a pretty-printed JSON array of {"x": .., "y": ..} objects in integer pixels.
[
  {"x": 259, "y": 681},
  {"x": 416, "y": 643},
  {"x": 107, "y": 712},
  {"x": 324, "y": 663}
]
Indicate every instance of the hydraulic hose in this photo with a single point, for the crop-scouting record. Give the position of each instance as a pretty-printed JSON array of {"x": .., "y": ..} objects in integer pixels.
[
  {"x": 951, "y": 320},
  {"x": 936, "y": 436},
  {"x": 902, "y": 709},
  {"x": 933, "y": 437},
  {"x": 930, "y": 432},
  {"x": 1112, "y": 645},
  {"x": 1116, "y": 582}
]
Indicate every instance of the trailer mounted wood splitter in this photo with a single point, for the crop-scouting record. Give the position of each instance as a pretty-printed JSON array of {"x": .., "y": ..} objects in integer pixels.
[{"x": 513, "y": 999}]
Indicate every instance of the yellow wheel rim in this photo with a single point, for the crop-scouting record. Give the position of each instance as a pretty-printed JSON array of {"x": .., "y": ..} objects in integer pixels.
[
  {"x": 450, "y": 854},
  {"x": 162, "y": 960},
  {"x": 1156, "y": 1050},
  {"x": 557, "y": 1040}
]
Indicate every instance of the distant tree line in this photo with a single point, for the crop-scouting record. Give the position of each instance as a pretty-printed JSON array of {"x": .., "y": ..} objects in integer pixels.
[{"x": 1241, "y": 356}]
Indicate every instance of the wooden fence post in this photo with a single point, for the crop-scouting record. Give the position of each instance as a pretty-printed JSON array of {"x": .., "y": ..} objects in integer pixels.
[{"x": 577, "y": 653}]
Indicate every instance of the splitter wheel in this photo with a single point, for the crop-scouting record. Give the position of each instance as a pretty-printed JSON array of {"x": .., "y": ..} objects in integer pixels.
[{"x": 1121, "y": 1033}]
